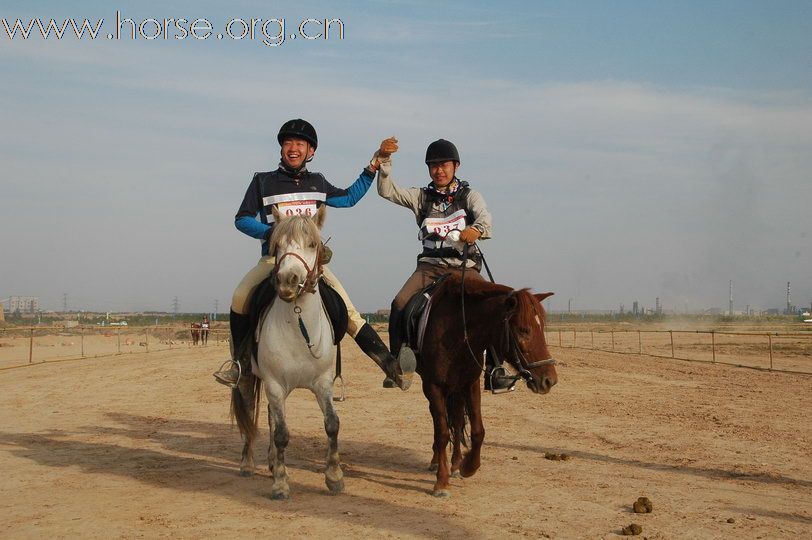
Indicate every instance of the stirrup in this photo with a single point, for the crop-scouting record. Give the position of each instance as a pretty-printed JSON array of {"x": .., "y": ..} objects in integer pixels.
[
  {"x": 497, "y": 377},
  {"x": 338, "y": 381},
  {"x": 223, "y": 368}
]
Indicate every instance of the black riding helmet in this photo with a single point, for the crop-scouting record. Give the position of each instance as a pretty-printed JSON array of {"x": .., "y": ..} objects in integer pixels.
[
  {"x": 298, "y": 128},
  {"x": 442, "y": 150}
]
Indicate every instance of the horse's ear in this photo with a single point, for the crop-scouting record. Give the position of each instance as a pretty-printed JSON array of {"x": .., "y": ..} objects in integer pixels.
[
  {"x": 543, "y": 296},
  {"x": 321, "y": 216},
  {"x": 275, "y": 214}
]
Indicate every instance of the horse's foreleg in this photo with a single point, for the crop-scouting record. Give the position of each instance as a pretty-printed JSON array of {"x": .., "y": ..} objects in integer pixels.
[
  {"x": 276, "y": 411},
  {"x": 473, "y": 399},
  {"x": 271, "y": 445},
  {"x": 333, "y": 475},
  {"x": 437, "y": 407}
]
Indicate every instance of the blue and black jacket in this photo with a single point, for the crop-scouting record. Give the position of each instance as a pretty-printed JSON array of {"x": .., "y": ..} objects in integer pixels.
[{"x": 268, "y": 189}]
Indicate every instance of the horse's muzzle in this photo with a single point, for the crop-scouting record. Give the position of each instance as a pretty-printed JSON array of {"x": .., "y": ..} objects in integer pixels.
[
  {"x": 288, "y": 287},
  {"x": 542, "y": 385}
]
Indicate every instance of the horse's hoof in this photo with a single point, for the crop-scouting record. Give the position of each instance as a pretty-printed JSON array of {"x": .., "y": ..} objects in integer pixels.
[
  {"x": 280, "y": 495},
  {"x": 441, "y": 493},
  {"x": 335, "y": 487},
  {"x": 246, "y": 473},
  {"x": 456, "y": 474},
  {"x": 433, "y": 467}
]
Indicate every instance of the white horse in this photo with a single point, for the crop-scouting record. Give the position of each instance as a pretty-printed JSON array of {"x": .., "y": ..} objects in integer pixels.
[{"x": 295, "y": 350}]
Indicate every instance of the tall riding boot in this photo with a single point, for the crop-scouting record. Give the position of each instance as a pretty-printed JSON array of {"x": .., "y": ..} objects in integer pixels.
[
  {"x": 400, "y": 370},
  {"x": 240, "y": 363},
  {"x": 496, "y": 379},
  {"x": 395, "y": 339}
]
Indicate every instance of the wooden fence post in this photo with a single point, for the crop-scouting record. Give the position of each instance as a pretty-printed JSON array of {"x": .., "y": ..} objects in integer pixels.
[
  {"x": 613, "y": 339},
  {"x": 713, "y": 345},
  {"x": 592, "y": 337},
  {"x": 639, "y": 344},
  {"x": 574, "y": 339},
  {"x": 770, "y": 339},
  {"x": 559, "y": 338},
  {"x": 31, "y": 346},
  {"x": 82, "y": 339},
  {"x": 672, "y": 343},
  {"x": 118, "y": 338}
]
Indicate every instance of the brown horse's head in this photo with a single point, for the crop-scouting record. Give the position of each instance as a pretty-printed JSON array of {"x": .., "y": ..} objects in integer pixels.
[{"x": 525, "y": 345}]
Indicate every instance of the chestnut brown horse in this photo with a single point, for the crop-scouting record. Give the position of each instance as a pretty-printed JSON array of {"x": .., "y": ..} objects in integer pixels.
[{"x": 463, "y": 323}]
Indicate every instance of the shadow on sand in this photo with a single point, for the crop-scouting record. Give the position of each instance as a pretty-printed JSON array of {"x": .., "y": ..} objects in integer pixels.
[{"x": 203, "y": 457}]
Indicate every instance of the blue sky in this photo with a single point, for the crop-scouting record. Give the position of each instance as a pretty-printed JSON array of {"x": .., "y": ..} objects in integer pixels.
[{"x": 628, "y": 150}]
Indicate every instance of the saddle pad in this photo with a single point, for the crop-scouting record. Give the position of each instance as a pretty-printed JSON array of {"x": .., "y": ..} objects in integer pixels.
[
  {"x": 336, "y": 310},
  {"x": 421, "y": 326},
  {"x": 416, "y": 315}
]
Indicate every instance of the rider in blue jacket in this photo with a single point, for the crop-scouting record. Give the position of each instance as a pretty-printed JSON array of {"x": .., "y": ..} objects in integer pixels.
[{"x": 292, "y": 189}]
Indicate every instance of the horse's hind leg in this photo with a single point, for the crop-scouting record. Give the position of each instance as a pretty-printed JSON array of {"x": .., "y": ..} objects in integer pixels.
[
  {"x": 333, "y": 475},
  {"x": 470, "y": 463},
  {"x": 276, "y": 411}
]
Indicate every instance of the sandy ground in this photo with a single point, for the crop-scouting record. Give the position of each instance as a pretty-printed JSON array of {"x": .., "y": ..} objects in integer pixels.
[{"x": 140, "y": 445}]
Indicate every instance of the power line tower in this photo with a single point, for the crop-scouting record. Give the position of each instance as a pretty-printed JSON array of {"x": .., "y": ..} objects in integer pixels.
[
  {"x": 216, "y": 303},
  {"x": 64, "y": 302},
  {"x": 175, "y": 306}
]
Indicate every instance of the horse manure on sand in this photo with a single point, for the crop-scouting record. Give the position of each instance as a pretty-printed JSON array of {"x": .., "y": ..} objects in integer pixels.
[
  {"x": 556, "y": 457},
  {"x": 632, "y": 530},
  {"x": 642, "y": 506}
]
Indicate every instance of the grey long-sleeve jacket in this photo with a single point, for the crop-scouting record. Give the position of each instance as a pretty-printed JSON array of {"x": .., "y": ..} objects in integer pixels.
[{"x": 411, "y": 198}]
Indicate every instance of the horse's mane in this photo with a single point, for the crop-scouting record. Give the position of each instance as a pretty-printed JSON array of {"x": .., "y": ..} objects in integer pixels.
[
  {"x": 528, "y": 306},
  {"x": 298, "y": 229}
]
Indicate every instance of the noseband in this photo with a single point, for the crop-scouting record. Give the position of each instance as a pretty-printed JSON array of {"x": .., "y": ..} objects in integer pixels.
[{"x": 313, "y": 274}]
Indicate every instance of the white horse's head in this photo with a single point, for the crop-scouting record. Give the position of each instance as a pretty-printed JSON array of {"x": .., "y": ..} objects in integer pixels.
[{"x": 296, "y": 244}]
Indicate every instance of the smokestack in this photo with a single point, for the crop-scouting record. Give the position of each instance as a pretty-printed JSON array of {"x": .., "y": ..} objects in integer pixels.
[
  {"x": 789, "y": 304},
  {"x": 730, "y": 308}
]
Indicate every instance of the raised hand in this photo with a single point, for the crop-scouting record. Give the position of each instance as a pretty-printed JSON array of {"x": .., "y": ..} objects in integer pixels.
[{"x": 388, "y": 147}]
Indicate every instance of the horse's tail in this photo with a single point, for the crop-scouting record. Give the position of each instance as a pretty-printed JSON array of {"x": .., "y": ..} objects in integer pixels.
[
  {"x": 245, "y": 408},
  {"x": 458, "y": 413}
]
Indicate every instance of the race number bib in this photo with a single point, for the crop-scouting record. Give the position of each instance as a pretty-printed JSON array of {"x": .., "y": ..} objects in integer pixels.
[
  {"x": 444, "y": 225},
  {"x": 294, "y": 204},
  {"x": 297, "y": 208}
]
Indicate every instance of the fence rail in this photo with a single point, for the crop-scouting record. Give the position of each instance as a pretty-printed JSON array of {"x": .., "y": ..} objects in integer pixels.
[
  {"x": 769, "y": 351},
  {"x": 38, "y": 344}
]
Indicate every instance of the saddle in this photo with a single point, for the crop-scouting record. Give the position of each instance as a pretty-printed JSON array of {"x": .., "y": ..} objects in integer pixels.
[
  {"x": 413, "y": 324},
  {"x": 265, "y": 293}
]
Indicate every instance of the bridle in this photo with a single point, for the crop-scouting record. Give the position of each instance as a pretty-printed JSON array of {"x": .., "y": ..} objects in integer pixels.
[
  {"x": 514, "y": 349},
  {"x": 513, "y": 346},
  {"x": 312, "y": 276}
]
